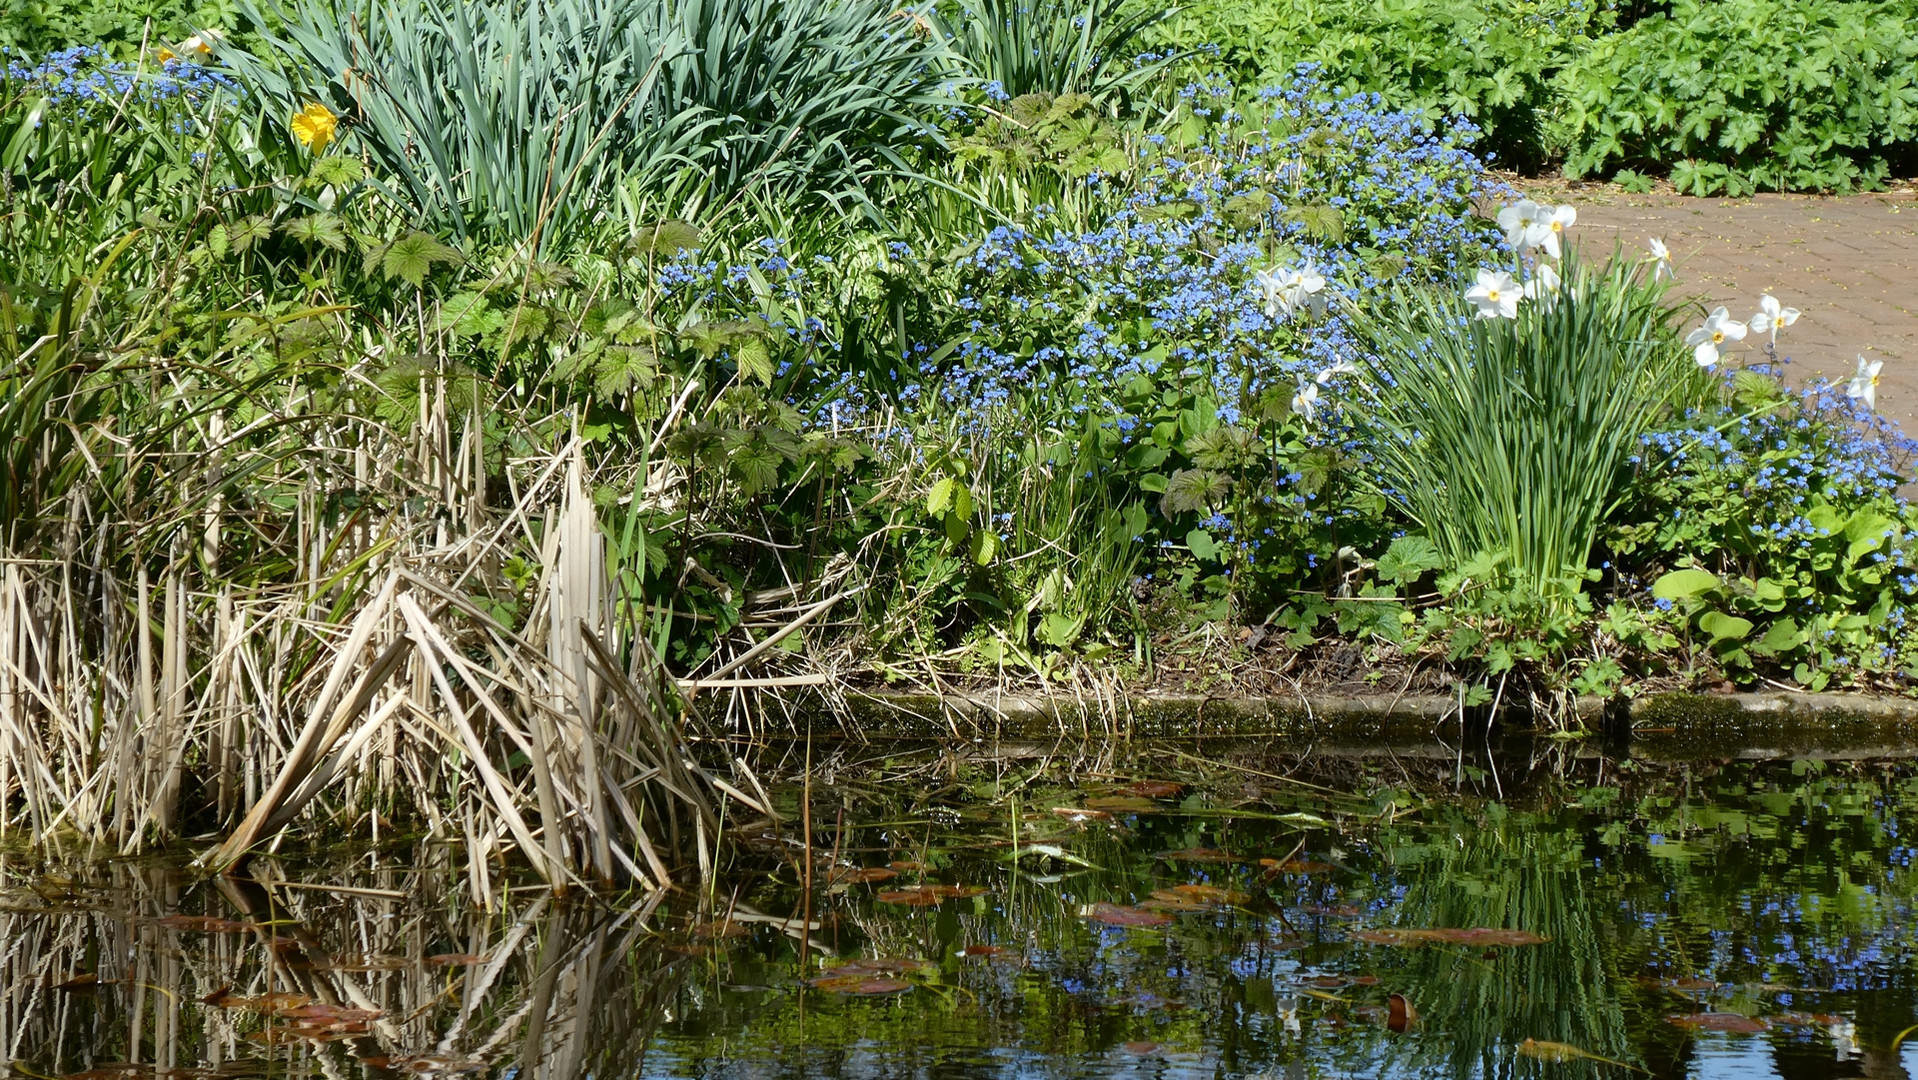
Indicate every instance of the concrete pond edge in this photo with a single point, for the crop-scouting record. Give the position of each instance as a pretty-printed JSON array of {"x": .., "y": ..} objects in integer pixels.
[{"x": 1672, "y": 726}]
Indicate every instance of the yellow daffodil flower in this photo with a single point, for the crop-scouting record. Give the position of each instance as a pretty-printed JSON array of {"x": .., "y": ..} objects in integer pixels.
[{"x": 314, "y": 126}]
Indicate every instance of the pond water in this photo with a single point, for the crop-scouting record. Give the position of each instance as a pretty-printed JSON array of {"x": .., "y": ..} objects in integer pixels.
[{"x": 1156, "y": 914}]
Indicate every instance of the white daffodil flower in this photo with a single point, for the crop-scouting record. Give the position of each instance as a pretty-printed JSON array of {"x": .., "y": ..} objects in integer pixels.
[
  {"x": 1772, "y": 316},
  {"x": 1719, "y": 328},
  {"x": 1288, "y": 290},
  {"x": 1496, "y": 295},
  {"x": 1662, "y": 265},
  {"x": 1339, "y": 367},
  {"x": 1544, "y": 284},
  {"x": 1864, "y": 384},
  {"x": 1548, "y": 229},
  {"x": 1517, "y": 221},
  {"x": 1306, "y": 402}
]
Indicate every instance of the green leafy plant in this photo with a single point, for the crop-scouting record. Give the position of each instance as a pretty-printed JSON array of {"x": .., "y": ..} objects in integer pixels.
[
  {"x": 1514, "y": 435},
  {"x": 1749, "y": 95}
]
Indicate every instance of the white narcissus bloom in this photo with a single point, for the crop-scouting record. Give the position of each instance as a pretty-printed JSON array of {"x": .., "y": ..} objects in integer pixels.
[
  {"x": 1339, "y": 367},
  {"x": 1719, "y": 328},
  {"x": 1864, "y": 384},
  {"x": 1772, "y": 316},
  {"x": 1287, "y": 290},
  {"x": 1306, "y": 402},
  {"x": 1496, "y": 295},
  {"x": 1517, "y": 221},
  {"x": 1544, "y": 284},
  {"x": 1662, "y": 266},
  {"x": 1548, "y": 231}
]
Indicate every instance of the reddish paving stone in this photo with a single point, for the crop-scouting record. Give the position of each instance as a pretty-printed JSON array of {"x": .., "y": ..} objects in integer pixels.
[{"x": 1849, "y": 263}]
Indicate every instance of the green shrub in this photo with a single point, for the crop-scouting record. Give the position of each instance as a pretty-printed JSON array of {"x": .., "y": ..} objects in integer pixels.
[
  {"x": 1772, "y": 535},
  {"x": 1493, "y": 64},
  {"x": 39, "y": 27},
  {"x": 1734, "y": 96},
  {"x": 1511, "y": 437},
  {"x": 1018, "y": 47}
]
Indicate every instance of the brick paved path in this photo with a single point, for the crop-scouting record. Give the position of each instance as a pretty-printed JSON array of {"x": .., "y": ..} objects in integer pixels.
[{"x": 1849, "y": 263}]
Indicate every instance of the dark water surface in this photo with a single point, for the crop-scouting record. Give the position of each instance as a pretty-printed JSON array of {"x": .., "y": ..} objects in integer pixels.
[{"x": 1378, "y": 918}]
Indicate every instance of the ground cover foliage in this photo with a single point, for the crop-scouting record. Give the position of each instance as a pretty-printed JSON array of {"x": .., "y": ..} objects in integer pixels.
[
  {"x": 598, "y": 363},
  {"x": 1724, "y": 98}
]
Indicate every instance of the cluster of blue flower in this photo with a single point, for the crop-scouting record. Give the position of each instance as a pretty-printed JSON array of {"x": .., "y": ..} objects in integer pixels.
[{"x": 87, "y": 77}]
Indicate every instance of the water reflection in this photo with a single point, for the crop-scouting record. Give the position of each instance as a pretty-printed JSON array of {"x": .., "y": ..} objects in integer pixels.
[
  {"x": 1708, "y": 922},
  {"x": 134, "y": 969}
]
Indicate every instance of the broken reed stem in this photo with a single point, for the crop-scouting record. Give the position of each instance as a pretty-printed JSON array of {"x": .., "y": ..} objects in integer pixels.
[{"x": 144, "y": 697}]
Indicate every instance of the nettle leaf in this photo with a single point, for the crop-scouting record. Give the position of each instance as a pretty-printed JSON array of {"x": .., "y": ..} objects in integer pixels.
[
  {"x": 1190, "y": 490},
  {"x": 337, "y": 170},
  {"x": 665, "y": 239},
  {"x": 323, "y": 229},
  {"x": 412, "y": 257},
  {"x": 756, "y": 455},
  {"x": 250, "y": 231},
  {"x": 1322, "y": 222},
  {"x": 1223, "y": 447},
  {"x": 1408, "y": 559},
  {"x": 755, "y": 360},
  {"x": 467, "y": 314}
]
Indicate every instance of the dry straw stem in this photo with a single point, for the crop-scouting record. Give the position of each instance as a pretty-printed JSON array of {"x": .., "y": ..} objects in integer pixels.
[{"x": 144, "y": 685}]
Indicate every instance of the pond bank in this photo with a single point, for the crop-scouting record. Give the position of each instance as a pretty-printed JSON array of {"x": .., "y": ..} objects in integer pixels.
[{"x": 1673, "y": 726}]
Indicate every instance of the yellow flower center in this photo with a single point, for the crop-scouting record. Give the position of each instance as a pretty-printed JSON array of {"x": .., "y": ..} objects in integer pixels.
[{"x": 1718, "y": 337}]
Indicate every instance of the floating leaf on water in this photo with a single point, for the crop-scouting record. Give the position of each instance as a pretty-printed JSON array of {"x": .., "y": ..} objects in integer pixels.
[
  {"x": 88, "y": 981},
  {"x": 910, "y": 866},
  {"x": 973, "y": 952},
  {"x": 204, "y": 924},
  {"x": 1117, "y": 915},
  {"x": 1798, "y": 1019},
  {"x": 1404, "y": 936},
  {"x": 863, "y": 875},
  {"x": 433, "y": 1063},
  {"x": 1324, "y": 982},
  {"x": 1141, "y": 1047},
  {"x": 1399, "y": 1015},
  {"x": 718, "y": 928},
  {"x": 272, "y": 1003},
  {"x": 881, "y": 965},
  {"x": 1313, "y": 821},
  {"x": 454, "y": 959},
  {"x": 1198, "y": 854},
  {"x": 1365, "y": 980},
  {"x": 1733, "y": 1023},
  {"x": 1153, "y": 789},
  {"x": 1167, "y": 900},
  {"x": 1275, "y": 867},
  {"x": 1209, "y": 894},
  {"x": 1562, "y": 1053},
  {"x": 1124, "y": 804},
  {"x": 927, "y": 895},
  {"x": 859, "y": 984},
  {"x": 1079, "y": 815}
]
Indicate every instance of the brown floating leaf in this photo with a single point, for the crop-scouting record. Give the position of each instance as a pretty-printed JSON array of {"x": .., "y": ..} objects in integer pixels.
[
  {"x": 860, "y": 984},
  {"x": 88, "y": 981},
  {"x": 1798, "y": 1019},
  {"x": 882, "y": 965},
  {"x": 1477, "y": 936},
  {"x": 1735, "y": 1023},
  {"x": 1365, "y": 980},
  {"x": 1210, "y": 894},
  {"x": 1153, "y": 789},
  {"x": 1140, "y": 1047},
  {"x": 1167, "y": 900},
  {"x": 1198, "y": 854},
  {"x": 1124, "y": 804},
  {"x": 1399, "y": 1014},
  {"x": 273, "y": 1003},
  {"x": 454, "y": 959},
  {"x": 1076, "y": 814},
  {"x": 1561, "y": 1053},
  {"x": 1274, "y": 867},
  {"x": 863, "y": 875},
  {"x": 719, "y": 928},
  {"x": 204, "y": 924},
  {"x": 976, "y": 951},
  {"x": 927, "y": 895},
  {"x": 1115, "y": 915},
  {"x": 1324, "y": 982},
  {"x": 1333, "y": 911},
  {"x": 909, "y": 866}
]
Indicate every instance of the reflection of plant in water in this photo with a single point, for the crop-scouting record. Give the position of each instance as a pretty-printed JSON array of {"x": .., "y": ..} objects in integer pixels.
[
  {"x": 352, "y": 968},
  {"x": 1504, "y": 870}
]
